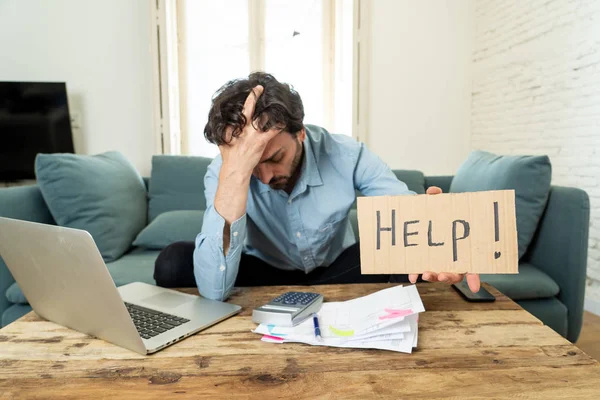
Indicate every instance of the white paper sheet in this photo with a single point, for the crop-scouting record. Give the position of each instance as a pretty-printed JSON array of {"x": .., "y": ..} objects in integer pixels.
[{"x": 387, "y": 319}]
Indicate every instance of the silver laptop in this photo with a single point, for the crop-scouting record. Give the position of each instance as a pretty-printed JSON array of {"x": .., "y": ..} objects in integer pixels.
[{"x": 65, "y": 280}]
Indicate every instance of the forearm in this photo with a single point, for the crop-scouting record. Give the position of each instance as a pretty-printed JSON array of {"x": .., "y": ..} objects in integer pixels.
[
  {"x": 231, "y": 198},
  {"x": 216, "y": 272}
]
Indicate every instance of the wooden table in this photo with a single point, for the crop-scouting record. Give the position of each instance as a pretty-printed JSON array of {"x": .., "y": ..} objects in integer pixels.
[{"x": 466, "y": 350}]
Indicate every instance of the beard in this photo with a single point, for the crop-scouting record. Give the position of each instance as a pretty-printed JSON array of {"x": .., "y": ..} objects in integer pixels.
[{"x": 281, "y": 182}]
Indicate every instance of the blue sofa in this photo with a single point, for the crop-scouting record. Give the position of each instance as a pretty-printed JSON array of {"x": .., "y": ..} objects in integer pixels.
[{"x": 550, "y": 284}]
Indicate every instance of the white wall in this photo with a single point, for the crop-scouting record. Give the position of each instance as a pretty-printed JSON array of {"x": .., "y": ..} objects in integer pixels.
[
  {"x": 101, "y": 49},
  {"x": 420, "y": 83},
  {"x": 536, "y": 90}
]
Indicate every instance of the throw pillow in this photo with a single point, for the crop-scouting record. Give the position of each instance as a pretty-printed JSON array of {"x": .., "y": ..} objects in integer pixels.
[
  {"x": 170, "y": 227},
  {"x": 529, "y": 176},
  {"x": 102, "y": 194}
]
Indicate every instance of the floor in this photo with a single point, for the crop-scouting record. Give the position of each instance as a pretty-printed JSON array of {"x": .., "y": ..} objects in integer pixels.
[{"x": 589, "y": 339}]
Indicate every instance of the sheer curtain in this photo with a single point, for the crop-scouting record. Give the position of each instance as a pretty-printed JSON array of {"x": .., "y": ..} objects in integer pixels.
[{"x": 302, "y": 39}]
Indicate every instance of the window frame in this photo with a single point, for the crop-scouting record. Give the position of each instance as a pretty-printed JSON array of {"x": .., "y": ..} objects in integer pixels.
[{"x": 169, "y": 75}]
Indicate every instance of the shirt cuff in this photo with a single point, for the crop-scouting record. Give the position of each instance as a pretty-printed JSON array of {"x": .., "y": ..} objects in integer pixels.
[
  {"x": 214, "y": 224},
  {"x": 237, "y": 232}
]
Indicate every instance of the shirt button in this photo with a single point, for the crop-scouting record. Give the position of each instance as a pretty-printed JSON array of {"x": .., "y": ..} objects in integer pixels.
[
  {"x": 298, "y": 234},
  {"x": 289, "y": 202},
  {"x": 222, "y": 268},
  {"x": 235, "y": 233},
  {"x": 305, "y": 258}
]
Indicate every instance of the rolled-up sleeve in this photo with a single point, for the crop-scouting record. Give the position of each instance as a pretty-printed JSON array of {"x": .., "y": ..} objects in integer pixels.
[{"x": 216, "y": 273}]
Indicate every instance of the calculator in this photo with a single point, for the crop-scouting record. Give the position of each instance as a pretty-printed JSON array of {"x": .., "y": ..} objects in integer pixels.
[{"x": 289, "y": 309}]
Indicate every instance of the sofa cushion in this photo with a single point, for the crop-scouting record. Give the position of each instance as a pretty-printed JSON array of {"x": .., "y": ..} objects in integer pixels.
[
  {"x": 530, "y": 283},
  {"x": 176, "y": 183},
  {"x": 529, "y": 176},
  {"x": 14, "y": 312},
  {"x": 170, "y": 227},
  {"x": 135, "y": 266},
  {"x": 102, "y": 194},
  {"x": 15, "y": 295},
  {"x": 550, "y": 311},
  {"x": 415, "y": 180}
]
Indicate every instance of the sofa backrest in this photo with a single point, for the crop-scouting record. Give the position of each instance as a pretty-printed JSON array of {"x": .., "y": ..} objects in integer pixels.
[
  {"x": 176, "y": 183},
  {"x": 441, "y": 181},
  {"x": 415, "y": 180},
  {"x": 25, "y": 202}
]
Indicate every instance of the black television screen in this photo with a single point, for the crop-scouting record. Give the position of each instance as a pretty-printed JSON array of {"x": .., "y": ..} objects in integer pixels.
[{"x": 34, "y": 118}]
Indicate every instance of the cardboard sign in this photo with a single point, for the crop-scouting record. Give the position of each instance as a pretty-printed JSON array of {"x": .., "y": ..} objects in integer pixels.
[{"x": 455, "y": 232}]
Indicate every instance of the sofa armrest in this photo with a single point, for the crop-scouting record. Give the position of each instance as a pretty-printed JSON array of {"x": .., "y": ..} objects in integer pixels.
[
  {"x": 443, "y": 182},
  {"x": 560, "y": 248},
  {"x": 20, "y": 202}
]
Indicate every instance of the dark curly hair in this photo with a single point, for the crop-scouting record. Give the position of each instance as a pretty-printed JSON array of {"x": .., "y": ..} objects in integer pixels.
[{"x": 279, "y": 102}]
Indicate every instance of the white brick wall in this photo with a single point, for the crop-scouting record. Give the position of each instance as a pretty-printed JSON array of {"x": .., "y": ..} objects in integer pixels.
[{"x": 536, "y": 90}]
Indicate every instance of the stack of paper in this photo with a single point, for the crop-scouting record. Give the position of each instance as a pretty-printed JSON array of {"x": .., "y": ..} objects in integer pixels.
[{"x": 386, "y": 320}]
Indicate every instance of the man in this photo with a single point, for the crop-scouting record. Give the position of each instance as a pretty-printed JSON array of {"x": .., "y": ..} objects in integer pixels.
[{"x": 278, "y": 198}]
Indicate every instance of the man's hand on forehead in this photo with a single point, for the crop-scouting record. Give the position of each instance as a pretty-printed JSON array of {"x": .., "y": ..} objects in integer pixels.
[{"x": 243, "y": 152}]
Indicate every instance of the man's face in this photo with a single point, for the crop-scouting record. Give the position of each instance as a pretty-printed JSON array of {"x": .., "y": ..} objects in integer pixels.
[{"x": 280, "y": 160}]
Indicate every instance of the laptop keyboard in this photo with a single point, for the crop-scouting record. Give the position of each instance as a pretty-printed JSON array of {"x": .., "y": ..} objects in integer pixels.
[{"x": 150, "y": 323}]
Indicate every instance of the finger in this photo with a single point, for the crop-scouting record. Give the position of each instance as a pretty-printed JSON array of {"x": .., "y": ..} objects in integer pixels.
[
  {"x": 250, "y": 103},
  {"x": 413, "y": 278},
  {"x": 433, "y": 190},
  {"x": 473, "y": 282},
  {"x": 265, "y": 137},
  {"x": 450, "y": 277},
  {"x": 271, "y": 133},
  {"x": 430, "y": 276},
  {"x": 228, "y": 134}
]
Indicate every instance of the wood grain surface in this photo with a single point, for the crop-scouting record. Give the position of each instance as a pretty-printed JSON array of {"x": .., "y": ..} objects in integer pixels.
[{"x": 466, "y": 350}]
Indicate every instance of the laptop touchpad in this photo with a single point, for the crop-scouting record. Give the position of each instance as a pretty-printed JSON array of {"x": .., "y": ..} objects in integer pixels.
[{"x": 167, "y": 299}]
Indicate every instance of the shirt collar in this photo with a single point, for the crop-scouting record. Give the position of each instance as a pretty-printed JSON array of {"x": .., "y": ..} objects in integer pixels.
[{"x": 309, "y": 172}]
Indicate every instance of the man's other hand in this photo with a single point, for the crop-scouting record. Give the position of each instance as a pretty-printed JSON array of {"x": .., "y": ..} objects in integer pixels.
[{"x": 448, "y": 277}]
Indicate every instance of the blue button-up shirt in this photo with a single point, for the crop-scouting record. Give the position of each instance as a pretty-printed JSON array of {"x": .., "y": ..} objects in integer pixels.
[{"x": 304, "y": 230}]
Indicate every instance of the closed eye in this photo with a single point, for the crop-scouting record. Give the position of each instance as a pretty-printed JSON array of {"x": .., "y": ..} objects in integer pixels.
[{"x": 275, "y": 157}]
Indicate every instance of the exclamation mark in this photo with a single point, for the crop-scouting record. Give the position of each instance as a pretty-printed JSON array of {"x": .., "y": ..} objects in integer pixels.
[{"x": 497, "y": 229}]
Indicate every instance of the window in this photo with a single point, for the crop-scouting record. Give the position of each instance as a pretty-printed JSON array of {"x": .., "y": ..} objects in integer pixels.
[
  {"x": 294, "y": 41},
  {"x": 306, "y": 43},
  {"x": 216, "y": 50}
]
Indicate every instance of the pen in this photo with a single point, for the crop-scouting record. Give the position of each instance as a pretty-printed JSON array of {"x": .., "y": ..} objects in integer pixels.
[{"x": 317, "y": 329}]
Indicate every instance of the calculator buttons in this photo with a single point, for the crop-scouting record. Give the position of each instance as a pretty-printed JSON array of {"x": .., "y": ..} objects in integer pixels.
[{"x": 295, "y": 298}]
